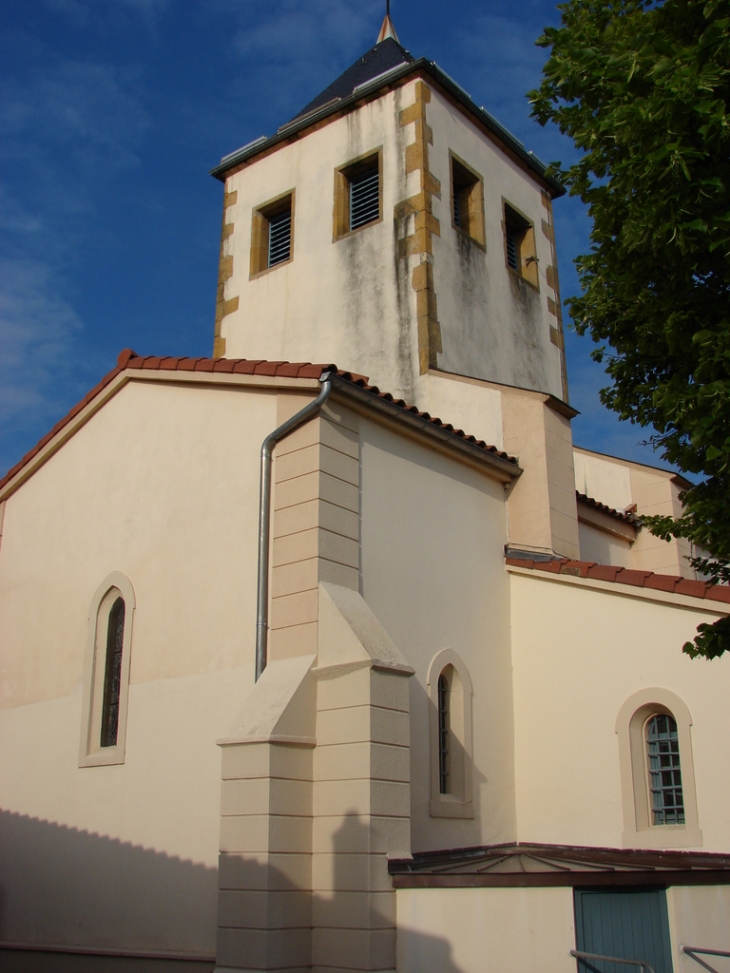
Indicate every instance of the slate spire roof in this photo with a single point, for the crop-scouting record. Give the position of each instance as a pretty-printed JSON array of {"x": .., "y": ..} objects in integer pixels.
[{"x": 385, "y": 56}]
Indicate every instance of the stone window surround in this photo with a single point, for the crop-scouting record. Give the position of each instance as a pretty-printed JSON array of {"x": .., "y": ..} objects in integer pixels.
[
  {"x": 458, "y": 804},
  {"x": 260, "y": 234},
  {"x": 633, "y": 716},
  {"x": 341, "y": 208},
  {"x": 475, "y": 228},
  {"x": 91, "y": 754},
  {"x": 528, "y": 246}
]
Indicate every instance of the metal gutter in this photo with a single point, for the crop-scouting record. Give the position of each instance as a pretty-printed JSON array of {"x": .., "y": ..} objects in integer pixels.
[
  {"x": 455, "y": 90},
  {"x": 262, "y": 603},
  {"x": 504, "y": 469}
]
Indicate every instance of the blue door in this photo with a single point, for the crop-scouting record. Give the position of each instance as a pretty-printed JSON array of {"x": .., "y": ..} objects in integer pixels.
[{"x": 632, "y": 925}]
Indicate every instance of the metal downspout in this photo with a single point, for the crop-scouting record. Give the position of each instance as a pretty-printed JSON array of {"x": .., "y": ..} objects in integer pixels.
[{"x": 262, "y": 605}]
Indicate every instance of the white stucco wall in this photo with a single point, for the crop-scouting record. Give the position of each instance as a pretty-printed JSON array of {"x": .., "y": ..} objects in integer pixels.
[
  {"x": 493, "y": 325},
  {"x": 579, "y": 654},
  {"x": 162, "y": 485},
  {"x": 433, "y": 533},
  {"x": 512, "y": 930},
  {"x": 596, "y": 545},
  {"x": 347, "y": 301}
]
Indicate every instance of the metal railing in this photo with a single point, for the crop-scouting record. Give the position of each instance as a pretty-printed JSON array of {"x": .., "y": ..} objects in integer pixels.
[
  {"x": 644, "y": 966},
  {"x": 691, "y": 950}
]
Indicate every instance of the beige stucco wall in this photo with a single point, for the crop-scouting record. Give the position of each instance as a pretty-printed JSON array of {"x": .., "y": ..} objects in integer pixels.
[
  {"x": 603, "y": 479},
  {"x": 579, "y": 653},
  {"x": 541, "y": 504},
  {"x": 619, "y": 483},
  {"x": 465, "y": 403},
  {"x": 471, "y": 930},
  {"x": 698, "y": 917},
  {"x": 161, "y": 484},
  {"x": 432, "y": 534}
]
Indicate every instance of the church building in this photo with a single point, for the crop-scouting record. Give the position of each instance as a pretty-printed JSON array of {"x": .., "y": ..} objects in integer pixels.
[{"x": 331, "y": 653}]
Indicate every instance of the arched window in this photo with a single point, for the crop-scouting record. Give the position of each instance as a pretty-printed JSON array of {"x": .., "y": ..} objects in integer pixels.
[
  {"x": 665, "y": 773},
  {"x": 443, "y": 720},
  {"x": 103, "y": 726},
  {"x": 657, "y": 772},
  {"x": 450, "y": 693},
  {"x": 112, "y": 674}
]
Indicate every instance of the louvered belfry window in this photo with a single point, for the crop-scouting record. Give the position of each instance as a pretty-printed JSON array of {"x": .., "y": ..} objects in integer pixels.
[
  {"x": 365, "y": 196},
  {"x": 358, "y": 190},
  {"x": 279, "y": 237},
  {"x": 519, "y": 246},
  {"x": 457, "y": 210},
  {"x": 272, "y": 234},
  {"x": 665, "y": 774},
  {"x": 467, "y": 201},
  {"x": 512, "y": 247}
]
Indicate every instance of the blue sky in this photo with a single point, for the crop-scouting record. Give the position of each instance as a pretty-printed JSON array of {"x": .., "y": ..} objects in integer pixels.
[{"x": 113, "y": 111}]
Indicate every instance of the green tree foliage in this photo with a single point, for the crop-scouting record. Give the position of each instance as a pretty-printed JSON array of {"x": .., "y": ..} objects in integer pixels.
[{"x": 642, "y": 88}]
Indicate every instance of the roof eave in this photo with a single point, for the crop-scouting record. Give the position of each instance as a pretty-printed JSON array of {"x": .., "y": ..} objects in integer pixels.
[
  {"x": 364, "y": 91},
  {"x": 505, "y": 470}
]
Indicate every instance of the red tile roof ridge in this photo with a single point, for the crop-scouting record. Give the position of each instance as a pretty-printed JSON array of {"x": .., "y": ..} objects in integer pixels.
[
  {"x": 618, "y": 575},
  {"x": 129, "y": 359},
  {"x": 626, "y": 516}
]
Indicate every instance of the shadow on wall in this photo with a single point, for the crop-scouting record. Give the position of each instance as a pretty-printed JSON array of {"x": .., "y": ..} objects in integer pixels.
[
  {"x": 342, "y": 929},
  {"x": 64, "y": 887}
]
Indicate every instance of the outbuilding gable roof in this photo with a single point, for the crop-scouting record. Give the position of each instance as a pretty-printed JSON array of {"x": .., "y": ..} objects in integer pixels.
[
  {"x": 129, "y": 360},
  {"x": 518, "y": 864}
]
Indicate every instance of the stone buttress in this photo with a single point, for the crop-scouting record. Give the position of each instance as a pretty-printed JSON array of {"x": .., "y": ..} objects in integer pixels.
[{"x": 315, "y": 791}]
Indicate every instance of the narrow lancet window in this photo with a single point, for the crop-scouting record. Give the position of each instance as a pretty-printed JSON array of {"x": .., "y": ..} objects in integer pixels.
[
  {"x": 106, "y": 679},
  {"x": 112, "y": 675},
  {"x": 443, "y": 727},
  {"x": 665, "y": 774}
]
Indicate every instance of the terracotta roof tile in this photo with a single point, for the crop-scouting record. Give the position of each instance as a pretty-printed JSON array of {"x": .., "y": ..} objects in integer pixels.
[
  {"x": 619, "y": 575},
  {"x": 130, "y": 360},
  {"x": 627, "y": 518},
  {"x": 718, "y": 592},
  {"x": 637, "y": 578},
  {"x": 205, "y": 364},
  {"x": 687, "y": 587},
  {"x": 224, "y": 365}
]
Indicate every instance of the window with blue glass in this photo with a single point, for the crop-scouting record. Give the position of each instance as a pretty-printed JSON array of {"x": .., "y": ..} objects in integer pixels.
[{"x": 665, "y": 772}]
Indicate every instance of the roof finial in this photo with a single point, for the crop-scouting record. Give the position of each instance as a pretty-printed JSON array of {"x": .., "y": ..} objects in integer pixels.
[{"x": 387, "y": 30}]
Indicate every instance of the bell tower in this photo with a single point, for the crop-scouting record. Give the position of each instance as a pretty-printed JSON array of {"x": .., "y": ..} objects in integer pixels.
[
  {"x": 397, "y": 229},
  {"x": 393, "y": 227}
]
